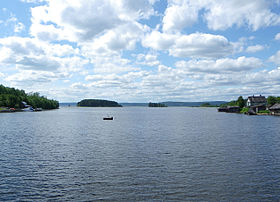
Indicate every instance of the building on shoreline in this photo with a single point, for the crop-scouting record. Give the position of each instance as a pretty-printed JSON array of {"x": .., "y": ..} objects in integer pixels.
[
  {"x": 275, "y": 109},
  {"x": 256, "y": 103}
]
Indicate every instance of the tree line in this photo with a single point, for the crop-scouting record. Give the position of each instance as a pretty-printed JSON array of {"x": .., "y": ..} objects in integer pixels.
[
  {"x": 271, "y": 100},
  {"x": 13, "y": 98}
]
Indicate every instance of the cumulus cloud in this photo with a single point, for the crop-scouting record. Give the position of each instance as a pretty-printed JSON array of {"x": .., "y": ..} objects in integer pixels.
[
  {"x": 32, "y": 54},
  {"x": 178, "y": 15},
  {"x": 29, "y": 77},
  {"x": 19, "y": 27},
  {"x": 111, "y": 64},
  {"x": 220, "y": 14},
  {"x": 275, "y": 58},
  {"x": 1, "y": 74},
  {"x": 84, "y": 20},
  {"x": 240, "y": 64},
  {"x": 253, "y": 49},
  {"x": 94, "y": 48},
  {"x": 256, "y": 14},
  {"x": 121, "y": 38},
  {"x": 262, "y": 80},
  {"x": 277, "y": 36},
  {"x": 148, "y": 59},
  {"x": 37, "y": 63},
  {"x": 197, "y": 45}
]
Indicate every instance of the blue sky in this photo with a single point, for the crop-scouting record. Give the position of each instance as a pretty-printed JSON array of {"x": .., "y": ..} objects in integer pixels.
[{"x": 141, "y": 51}]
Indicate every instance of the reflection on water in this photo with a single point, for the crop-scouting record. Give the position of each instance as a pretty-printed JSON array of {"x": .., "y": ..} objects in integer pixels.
[{"x": 143, "y": 154}]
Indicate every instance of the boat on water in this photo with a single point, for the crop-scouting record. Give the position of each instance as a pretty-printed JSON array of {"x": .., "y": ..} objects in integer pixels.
[
  {"x": 38, "y": 109},
  {"x": 108, "y": 118},
  {"x": 28, "y": 109}
]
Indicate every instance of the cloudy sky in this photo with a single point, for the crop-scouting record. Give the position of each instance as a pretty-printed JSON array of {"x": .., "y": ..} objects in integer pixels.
[{"x": 141, "y": 51}]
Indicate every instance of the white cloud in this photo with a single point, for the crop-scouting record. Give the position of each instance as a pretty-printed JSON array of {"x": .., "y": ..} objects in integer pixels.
[
  {"x": 83, "y": 20},
  {"x": 259, "y": 80},
  {"x": 275, "y": 58},
  {"x": 220, "y": 14},
  {"x": 224, "y": 65},
  {"x": 121, "y": 38},
  {"x": 148, "y": 59},
  {"x": 111, "y": 64},
  {"x": 29, "y": 77},
  {"x": 253, "y": 49},
  {"x": 32, "y": 54},
  {"x": 178, "y": 15},
  {"x": 79, "y": 48},
  {"x": 277, "y": 36},
  {"x": 198, "y": 45},
  {"x": 19, "y": 27},
  {"x": 256, "y": 14}
]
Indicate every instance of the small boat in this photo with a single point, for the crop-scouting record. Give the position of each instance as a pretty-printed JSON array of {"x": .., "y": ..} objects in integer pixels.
[
  {"x": 108, "y": 118},
  {"x": 38, "y": 109},
  {"x": 28, "y": 109}
]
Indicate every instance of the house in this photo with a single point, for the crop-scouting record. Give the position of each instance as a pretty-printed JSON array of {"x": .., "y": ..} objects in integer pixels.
[
  {"x": 275, "y": 109},
  {"x": 256, "y": 101}
]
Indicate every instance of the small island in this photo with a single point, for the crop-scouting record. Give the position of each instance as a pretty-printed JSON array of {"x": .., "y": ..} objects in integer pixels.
[
  {"x": 156, "y": 105},
  {"x": 97, "y": 103}
]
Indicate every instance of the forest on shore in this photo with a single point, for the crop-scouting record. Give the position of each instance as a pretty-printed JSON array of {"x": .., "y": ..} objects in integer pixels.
[{"x": 13, "y": 98}]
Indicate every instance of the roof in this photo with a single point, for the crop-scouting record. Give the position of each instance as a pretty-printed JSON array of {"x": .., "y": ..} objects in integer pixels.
[
  {"x": 257, "y": 99},
  {"x": 275, "y": 106}
]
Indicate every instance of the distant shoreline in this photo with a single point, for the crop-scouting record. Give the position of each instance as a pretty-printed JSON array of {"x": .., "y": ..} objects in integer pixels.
[{"x": 168, "y": 103}]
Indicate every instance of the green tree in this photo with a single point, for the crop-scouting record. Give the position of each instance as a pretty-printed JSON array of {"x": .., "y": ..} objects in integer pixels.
[
  {"x": 11, "y": 97},
  {"x": 240, "y": 102},
  {"x": 206, "y": 104},
  {"x": 271, "y": 100}
]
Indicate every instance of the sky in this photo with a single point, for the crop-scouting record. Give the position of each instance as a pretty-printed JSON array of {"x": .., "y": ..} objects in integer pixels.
[{"x": 141, "y": 51}]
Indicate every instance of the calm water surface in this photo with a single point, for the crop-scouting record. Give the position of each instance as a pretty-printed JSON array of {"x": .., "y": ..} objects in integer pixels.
[{"x": 154, "y": 154}]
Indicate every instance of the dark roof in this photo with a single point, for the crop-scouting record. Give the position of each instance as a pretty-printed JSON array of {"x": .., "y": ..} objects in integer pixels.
[
  {"x": 275, "y": 106},
  {"x": 257, "y": 98}
]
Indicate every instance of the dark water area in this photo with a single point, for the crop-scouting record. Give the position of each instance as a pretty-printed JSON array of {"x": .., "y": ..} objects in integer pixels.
[{"x": 144, "y": 154}]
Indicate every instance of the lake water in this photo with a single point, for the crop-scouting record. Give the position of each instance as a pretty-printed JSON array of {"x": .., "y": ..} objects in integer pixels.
[{"x": 144, "y": 154}]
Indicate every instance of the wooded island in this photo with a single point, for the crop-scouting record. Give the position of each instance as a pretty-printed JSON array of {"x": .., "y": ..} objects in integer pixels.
[{"x": 97, "y": 103}]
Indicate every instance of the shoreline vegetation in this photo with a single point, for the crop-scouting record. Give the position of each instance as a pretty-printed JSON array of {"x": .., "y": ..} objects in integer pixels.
[
  {"x": 15, "y": 100},
  {"x": 253, "y": 105}
]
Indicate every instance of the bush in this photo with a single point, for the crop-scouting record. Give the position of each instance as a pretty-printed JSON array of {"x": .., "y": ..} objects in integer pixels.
[
  {"x": 264, "y": 112},
  {"x": 244, "y": 110}
]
